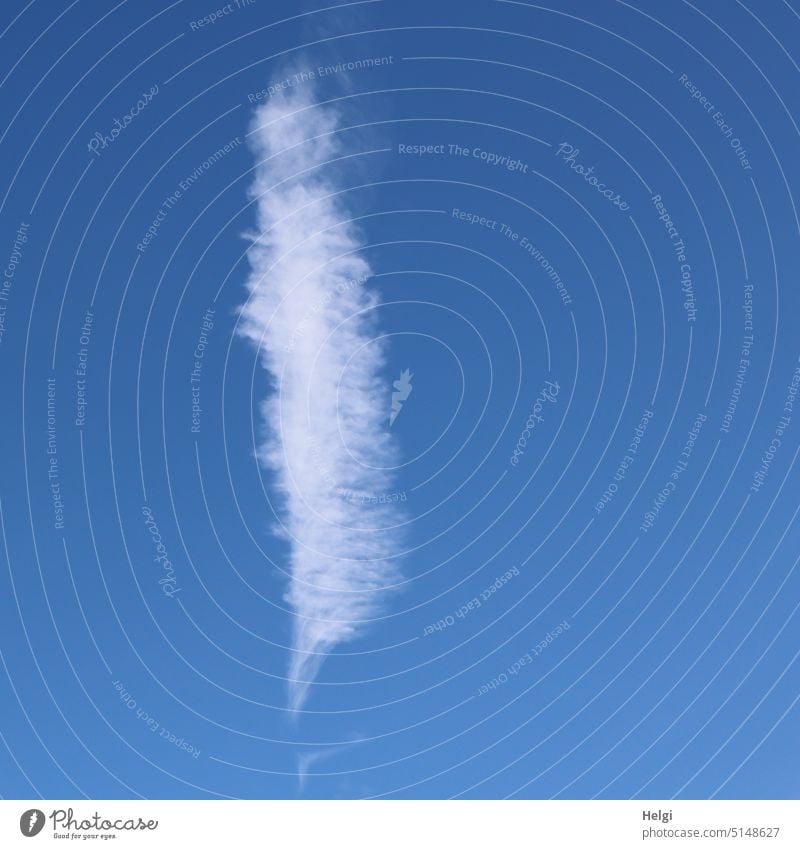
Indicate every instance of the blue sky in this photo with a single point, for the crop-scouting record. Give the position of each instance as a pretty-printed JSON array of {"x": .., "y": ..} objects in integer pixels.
[{"x": 573, "y": 573}]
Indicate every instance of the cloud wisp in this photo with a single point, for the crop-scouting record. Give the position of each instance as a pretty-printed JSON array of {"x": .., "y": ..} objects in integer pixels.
[{"x": 312, "y": 315}]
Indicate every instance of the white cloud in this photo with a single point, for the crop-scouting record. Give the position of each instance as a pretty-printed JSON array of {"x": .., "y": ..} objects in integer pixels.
[{"x": 312, "y": 315}]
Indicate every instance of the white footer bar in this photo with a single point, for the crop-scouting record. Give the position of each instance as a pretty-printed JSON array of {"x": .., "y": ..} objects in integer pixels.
[{"x": 402, "y": 824}]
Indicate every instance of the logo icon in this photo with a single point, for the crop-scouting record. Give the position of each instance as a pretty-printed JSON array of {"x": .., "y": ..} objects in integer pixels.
[
  {"x": 31, "y": 822},
  {"x": 403, "y": 387}
]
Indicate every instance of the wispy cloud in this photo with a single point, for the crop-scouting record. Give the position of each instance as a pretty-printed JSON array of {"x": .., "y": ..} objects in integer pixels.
[
  {"x": 311, "y": 312},
  {"x": 311, "y": 758}
]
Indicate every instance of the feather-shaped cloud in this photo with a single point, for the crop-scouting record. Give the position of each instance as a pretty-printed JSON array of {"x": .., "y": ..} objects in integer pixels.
[{"x": 311, "y": 313}]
